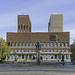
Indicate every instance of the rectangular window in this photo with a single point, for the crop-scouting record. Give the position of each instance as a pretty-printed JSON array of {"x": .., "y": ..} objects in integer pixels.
[
  {"x": 44, "y": 43},
  {"x": 22, "y": 50},
  {"x": 59, "y": 50},
  {"x": 47, "y": 50},
  {"x": 48, "y": 44},
  {"x": 19, "y": 44},
  {"x": 12, "y": 44},
  {"x": 51, "y": 44},
  {"x": 23, "y": 44},
  {"x": 62, "y": 43},
  {"x": 26, "y": 43},
  {"x": 59, "y": 44},
  {"x": 44, "y": 56},
  {"x": 66, "y": 44},
  {"x": 11, "y": 50},
  {"x": 62, "y": 50},
  {"x": 19, "y": 51},
  {"x": 15, "y": 50},
  {"x": 55, "y": 44},
  {"x": 44, "y": 50},
  {"x": 30, "y": 44},
  {"x": 33, "y": 43},
  {"x": 66, "y": 50},
  {"x": 33, "y": 50},
  {"x": 8, "y": 56},
  {"x": 41, "y": 43},
  {"x": 29, "y": 50},
  {"x": 51, "y": 50},
  {"x": 48, "y": 56},
  {"x": 16, "y": 44}
]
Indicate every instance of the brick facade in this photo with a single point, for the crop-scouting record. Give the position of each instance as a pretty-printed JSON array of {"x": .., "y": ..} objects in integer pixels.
[{"x": 54, "y": 44}]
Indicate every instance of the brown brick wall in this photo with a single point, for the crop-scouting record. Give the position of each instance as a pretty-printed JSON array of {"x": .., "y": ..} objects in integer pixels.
[{"x": 36, "y": 36}]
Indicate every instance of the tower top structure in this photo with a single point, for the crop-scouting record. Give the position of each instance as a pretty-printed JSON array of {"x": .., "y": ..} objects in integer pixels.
[
  {"x": 24, "y": 23},
  {"x": 55, "y": 23}
]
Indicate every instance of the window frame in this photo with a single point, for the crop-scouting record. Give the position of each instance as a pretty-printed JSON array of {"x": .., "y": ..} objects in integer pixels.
[
  {"x": 67, "y": 51},
  {"x": 63, "y": 44},
  {"x": 19, "y": 43},
  {"x": 51, "y": 50},
  {"x": 59, "y": 44},
  {"x": 12, "y": 44},
  {"x": 48, "y": 50},
  {"x": 19, "y": 50},
  {"x": 33, "y": 43},
  {"x": 23, "y": 50},
  {"x": 12, "y": 51},
  {"x": 30, "y": 44},
  {"x": 26, "y": 43},
  {"x": 51, "y": 44},
  {"x": 33, "y": 50},
  {"x": 48, "y": 44},
  {"x": 44, "y": 50},
  {"x": 55, "y": 44},
  {"x": 16, "y": 44},
  {"x": 45, "y": 44},
  {"x": 59, "y": 50},
  {"x": 15, "y": 50},
  {"x": 55, "y": 50},
  {"x": 23, "y": 44}
]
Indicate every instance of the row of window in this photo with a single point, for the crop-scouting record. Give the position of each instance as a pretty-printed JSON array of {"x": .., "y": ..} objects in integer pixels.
[
  {"x": 48, "y": 56},
  {"x": 41, "y": 51},
  {"x": 25, "y": 27},
  {"x": 23, "y": 31},
  {"x": 42, "y": 44}
]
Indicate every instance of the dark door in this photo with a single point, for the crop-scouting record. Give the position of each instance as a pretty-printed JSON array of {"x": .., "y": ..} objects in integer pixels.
[{"x": 63, "y": 58}]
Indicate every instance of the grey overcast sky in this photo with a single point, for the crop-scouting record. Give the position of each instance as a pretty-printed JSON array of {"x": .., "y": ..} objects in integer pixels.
[{"x": 39, "y": 12}]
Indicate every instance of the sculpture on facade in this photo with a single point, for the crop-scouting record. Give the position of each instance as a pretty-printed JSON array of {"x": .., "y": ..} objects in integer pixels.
[{"x": 38, "y": 48}]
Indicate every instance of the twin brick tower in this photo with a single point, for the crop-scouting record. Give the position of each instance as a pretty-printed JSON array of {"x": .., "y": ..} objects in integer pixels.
[{"x": 55, "y": 23}]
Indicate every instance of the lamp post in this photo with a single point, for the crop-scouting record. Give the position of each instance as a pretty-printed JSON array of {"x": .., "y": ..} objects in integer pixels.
[{"x": 38, "y": 48}]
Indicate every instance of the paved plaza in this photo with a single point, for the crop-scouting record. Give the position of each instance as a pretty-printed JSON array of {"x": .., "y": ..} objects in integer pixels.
[{"x": 22, "y": 69}]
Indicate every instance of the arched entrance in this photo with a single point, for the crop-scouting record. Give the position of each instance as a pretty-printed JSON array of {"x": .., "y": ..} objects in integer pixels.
[
  {"x": 16, "y": 58},
  {"x": 62, "y": 58},
  {"x": 41, "y": 57}
]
